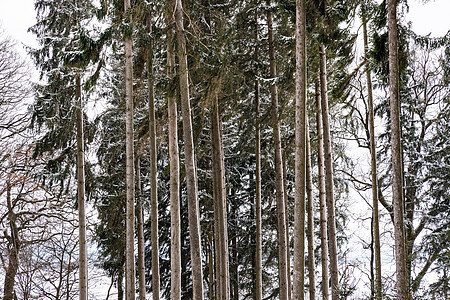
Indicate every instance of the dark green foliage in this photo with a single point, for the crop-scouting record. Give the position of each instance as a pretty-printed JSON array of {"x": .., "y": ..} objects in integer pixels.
[{"x": 65, "y": 50}]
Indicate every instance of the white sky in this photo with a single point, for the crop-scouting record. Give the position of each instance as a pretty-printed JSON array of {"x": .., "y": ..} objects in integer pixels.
[
  {"x": 432, "y": 17},
  {"x": 16, "y": 16}
]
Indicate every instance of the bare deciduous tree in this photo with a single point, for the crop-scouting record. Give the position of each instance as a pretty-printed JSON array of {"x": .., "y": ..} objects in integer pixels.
[
  {"x": 29, "y": 218},
  {"x": 14, "y": 89}
]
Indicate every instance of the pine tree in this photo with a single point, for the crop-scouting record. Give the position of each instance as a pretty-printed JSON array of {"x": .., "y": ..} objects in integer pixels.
[
  {"x": 191, "y": 177},
  {"x": 258, "y": 240},
  {"x": 64, "y": 55},
  {"x": 310, "y": 216},
  {"x": 373, "y": 161},
  {"x": 153, "y": 168},
  {"x": 175, "y": 228},
  {"x": 397, "y": 161},
  {"x": 281, "y": 216},
  {"x": 331, "y": 223},
  {"x": 130, "y": 175},
  {"x": 322, "y": 200},
  {"x": 300, "y": 151}
]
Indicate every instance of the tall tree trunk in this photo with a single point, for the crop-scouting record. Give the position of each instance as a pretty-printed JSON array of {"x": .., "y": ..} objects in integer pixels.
[
  {"x": 258, "y": 250},
  {"x": 224, "y": 217},
  {"x": 220, "y": 213},
  {"x": 300, "y": 152},
  {"x": 373, "y": 162},
  {"x": 332, "y": 244},
  {"x": 140, "y": 230},
  {"x": 282, "y": 246},
  {"x": 191, "y": 176},
  {"x": 129, "y": 265},
  {"x": 153, "y": 170},
  {"x": 14, "y": 248},
  {"x": 235, "y": 254},
  {"x": 83, "y": 271},
  {"x": 252, "y": 236},
  {"x": 397, "y": 178},
  {"x": 372, "y": 263},
  {"x": 175, "y": 218},
  {"x": 310, "y": 213},
  {"x": 210, "y": 265},
  {"x": 286, "y": 213},
  {"x": 322, "y": 202}
]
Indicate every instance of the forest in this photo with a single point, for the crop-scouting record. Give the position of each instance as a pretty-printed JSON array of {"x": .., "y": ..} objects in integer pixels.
[{"x": 223, "y": 149}]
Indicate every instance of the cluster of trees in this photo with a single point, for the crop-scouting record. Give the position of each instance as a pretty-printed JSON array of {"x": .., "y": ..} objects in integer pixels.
[{"x": 215, "y": 135}]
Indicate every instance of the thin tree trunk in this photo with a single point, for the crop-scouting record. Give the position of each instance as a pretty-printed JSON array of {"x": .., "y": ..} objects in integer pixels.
[
  {"x": 252, "y": 236},
  {"x": 120, "y": 286},
  {"x": 372, "y": 263},
  {"x": 220, "y": 214},
  {"x": 310, "y": 213},
  {"x": 217, "y": 256},
  {"x": 224, "y": 214},
  {"x": 191, "y": 176},
  {"x": 130, "y": 264},
  {"x": 282, "y": 247},
  {"x": 83, "y": 271},
  {"x": 235, "y": 254},
  {"x": 153, "y": 171},
  {"x": 13, "y": 253},
  {"x": 258, "y": 250},
  {"x": 332, "y": 244},
  {"x": 397, "y": 179},
  {"x": 211, "y": 265},
  {"x": 300, "y": 152},
  {"x": 323, "y": 205},
  {"x": 286, "y": 213},
  {"x": 140, "y": 230},
  {"x": 175, "y": 223},
  {"x": 109, "y": 289},
  {"x": 234, "y": 249},
  {"x": 373, "y": 161}
]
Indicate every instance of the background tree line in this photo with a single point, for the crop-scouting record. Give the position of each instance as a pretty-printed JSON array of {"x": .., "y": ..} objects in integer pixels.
[{"x": 218, "y": 136}]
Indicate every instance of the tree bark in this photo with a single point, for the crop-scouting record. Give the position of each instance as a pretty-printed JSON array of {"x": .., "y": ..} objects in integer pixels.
[
  {"x": 323, "y": 205},
  {"x": 332, "y": 244},
  {"x": 210, "y": 265},
  {"x": 235, "y": 256},
  {"x": 175, "y": 219},
  {"x": 129, "y": 269},
  {"x": 397, "y": 178},
  {"x": 300, "y": 152},
  {"x": 220, "y": 213},
  {"x": 373, "y": 162},
  {"x": 281, "y": 216},
  {"x": 153, "y": 171},
  {"x": 14, "y": 248},
  {"x": 310, "y": 213},
  {"x": 140, "y": 230},
  {"x": 286, "y": 213},
  {"x": 258, "y": 250},
  {"x": 120, "y": 286},
  {"x": 83, "y": 271},
  {"x": 191, "y": 176}
]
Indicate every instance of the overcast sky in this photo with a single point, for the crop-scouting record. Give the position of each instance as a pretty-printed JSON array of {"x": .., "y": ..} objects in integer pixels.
[{"x": 16, "y": 16}]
